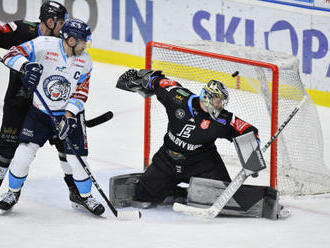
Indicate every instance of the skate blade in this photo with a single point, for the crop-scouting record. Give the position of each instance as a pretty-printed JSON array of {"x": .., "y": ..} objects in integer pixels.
[
  {"x": 81, "y": 208},
  {"x": 78, "y": 206}
]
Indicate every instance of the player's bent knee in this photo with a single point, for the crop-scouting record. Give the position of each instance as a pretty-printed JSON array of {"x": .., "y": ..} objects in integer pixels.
[{"x": 24, "y": 156}]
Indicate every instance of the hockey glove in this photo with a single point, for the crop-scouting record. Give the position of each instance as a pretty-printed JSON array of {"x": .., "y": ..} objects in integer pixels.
[
  {"x": 32, "y": 75},
  {"x": 146, "y": 77},
  {"x": 133, "y": 80},
  {"x": 66, "y": 127}
]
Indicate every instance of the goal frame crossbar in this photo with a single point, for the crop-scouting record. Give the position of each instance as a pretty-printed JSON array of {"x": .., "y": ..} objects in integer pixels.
[{"x": 275, "y": 83}]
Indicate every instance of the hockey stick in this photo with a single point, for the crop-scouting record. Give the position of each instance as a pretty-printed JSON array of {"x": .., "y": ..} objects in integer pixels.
[
  {"x": 228, "y": 193},
  {"x": 127, "y": 215},
  {"x": 99, "y": 119}
]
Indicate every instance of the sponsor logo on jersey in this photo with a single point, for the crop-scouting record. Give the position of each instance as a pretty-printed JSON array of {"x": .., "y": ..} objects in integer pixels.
[
  {"x": 52, "y": 54},
  {"x": 182, "y": 92},
  {"x": 205, "y": 124},
  {"x": 79, "y": 60},
  {"x": 61, "y": 69},
  {"x": 27, "y": 132},
  {"x": 57, "y": 88},
  {"x": 77, "y": 65},
  {"x": 50, "y": 58},
  {"x": 186, "y": 131},
  {"x": 179, "y": 142},
  {"x": 180, "y": 98},
  {"x": 179, "y": 113},
  {"x": 166, "y": 82}
]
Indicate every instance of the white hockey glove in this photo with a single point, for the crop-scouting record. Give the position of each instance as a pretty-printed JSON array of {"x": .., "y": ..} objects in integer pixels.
[{"x": 66, "y": 127}]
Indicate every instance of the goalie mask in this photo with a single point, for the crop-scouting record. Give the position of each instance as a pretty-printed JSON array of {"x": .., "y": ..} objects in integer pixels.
[{"x": 215, "y": 97}]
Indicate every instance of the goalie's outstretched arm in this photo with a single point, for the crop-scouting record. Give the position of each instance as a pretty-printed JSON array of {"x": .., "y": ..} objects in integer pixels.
[{"x": 138, "y": 81}]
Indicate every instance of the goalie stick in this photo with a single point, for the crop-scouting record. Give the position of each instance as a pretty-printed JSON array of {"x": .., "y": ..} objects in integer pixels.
[
  {"x": 228, "y": 193},
  {"x": 123, "y": 215}
]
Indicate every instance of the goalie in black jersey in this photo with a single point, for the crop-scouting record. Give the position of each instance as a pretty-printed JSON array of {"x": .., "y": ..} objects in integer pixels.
[
  {"x": 18, "y": 99},
  {"x": 194, "y": 123}
]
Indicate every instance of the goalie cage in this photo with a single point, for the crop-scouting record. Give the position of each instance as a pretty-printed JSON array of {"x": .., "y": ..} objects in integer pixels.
[{"x": 266, "y": 90}]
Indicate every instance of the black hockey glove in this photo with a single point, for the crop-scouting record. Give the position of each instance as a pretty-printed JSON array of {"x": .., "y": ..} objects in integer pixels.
[
  {"x": 133, "y": 80},
  {"x": 146, "y": 76},
  {"x": 66, "y": 127},
  {"x": 32, "y": 73}
]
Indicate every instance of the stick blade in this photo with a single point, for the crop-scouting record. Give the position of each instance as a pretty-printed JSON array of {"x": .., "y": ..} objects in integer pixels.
[
  {"x": 192, "y": 211},
  {"x": 129, "y": 215},
  {"x": 99, "y": 120}
]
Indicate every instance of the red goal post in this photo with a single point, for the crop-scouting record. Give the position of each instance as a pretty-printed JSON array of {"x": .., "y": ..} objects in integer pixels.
[{"x": 174, "y": 59}]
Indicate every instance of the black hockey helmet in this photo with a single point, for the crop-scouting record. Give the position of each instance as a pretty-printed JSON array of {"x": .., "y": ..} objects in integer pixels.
[{"x": 53, "y": 9}]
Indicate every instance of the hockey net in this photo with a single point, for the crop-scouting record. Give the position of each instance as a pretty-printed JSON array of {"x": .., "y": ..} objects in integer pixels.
[{"x": 264, "y": 93}]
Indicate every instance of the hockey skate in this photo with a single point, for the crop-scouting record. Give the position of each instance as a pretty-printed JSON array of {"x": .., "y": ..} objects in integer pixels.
[
  {"x": 9, "y": 199},
  {"x": 89, "y": 203},
  {"x": 74, "y": 193}
]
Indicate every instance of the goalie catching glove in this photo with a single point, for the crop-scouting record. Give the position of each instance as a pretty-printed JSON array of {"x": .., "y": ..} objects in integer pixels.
[{"x": 138, "y": 81}]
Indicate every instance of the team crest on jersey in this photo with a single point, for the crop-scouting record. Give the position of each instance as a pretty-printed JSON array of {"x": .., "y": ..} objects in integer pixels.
[
  {"x": 205, "y": 124},
  {"x": 57, "y": 88},
  {"x": 179, "y": 113}
]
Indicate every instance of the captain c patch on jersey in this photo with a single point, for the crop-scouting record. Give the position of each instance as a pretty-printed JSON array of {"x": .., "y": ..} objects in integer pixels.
[{"x": 57, "y": 88}]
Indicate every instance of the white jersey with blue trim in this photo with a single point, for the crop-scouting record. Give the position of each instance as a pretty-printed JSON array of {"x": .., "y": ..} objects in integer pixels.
[{"x": 64, "y": 83}]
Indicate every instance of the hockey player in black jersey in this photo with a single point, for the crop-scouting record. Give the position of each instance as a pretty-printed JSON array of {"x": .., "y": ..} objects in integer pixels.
[
  {"x": 18, "y": 99},
  {"x": 194, "y": 123}
]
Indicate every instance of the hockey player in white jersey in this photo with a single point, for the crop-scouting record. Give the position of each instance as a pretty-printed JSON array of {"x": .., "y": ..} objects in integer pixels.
[{"x": 59, "y": 69}]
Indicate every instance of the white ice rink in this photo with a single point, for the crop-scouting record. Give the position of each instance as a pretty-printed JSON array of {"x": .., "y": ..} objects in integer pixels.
[{"x": 43, "y": 216}]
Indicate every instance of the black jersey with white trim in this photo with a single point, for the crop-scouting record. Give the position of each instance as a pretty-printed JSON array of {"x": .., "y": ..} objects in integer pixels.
[
  {"x": 191, "y": 130},
  {"x": 13, "y": 34}
]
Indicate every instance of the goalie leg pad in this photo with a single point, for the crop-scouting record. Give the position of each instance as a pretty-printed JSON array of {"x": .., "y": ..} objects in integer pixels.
[
  {"x": 248, "y": 201},
  {"x": 122, "y": 189}
]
